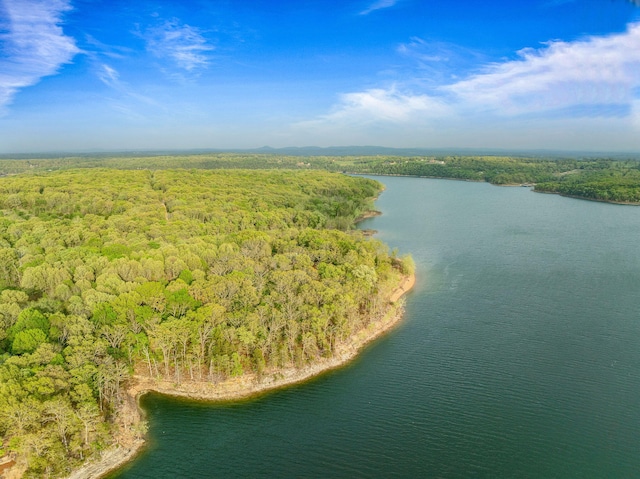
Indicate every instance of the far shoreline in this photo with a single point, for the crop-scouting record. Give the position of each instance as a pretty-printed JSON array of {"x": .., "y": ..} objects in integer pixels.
[
  {"x": 531, "y": 186},
  {"x": 243, "y": 387},
  {"x": 584, "y": 198}
]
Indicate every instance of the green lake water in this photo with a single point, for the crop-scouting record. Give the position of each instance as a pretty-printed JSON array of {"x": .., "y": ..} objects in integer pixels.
[{"x": 518, "y": 357}]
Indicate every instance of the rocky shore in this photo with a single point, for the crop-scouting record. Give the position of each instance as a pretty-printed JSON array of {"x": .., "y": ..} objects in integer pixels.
[{"x": 234, "y": 388}]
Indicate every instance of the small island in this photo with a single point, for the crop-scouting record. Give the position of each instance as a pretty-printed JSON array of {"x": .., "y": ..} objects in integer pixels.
[{"x": 205, "y": 283}]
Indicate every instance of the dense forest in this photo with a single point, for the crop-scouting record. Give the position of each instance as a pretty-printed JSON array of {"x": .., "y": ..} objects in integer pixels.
[
  {"x": 614, "y": 180},
  {"x": 175, "y": 274},
  {"x": 198, "y": 267},
  {"x": 617, "y": 185},
  {"x": 595, "y": 179}
]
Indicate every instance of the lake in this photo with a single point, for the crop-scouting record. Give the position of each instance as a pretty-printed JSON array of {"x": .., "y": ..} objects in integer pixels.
[{"x": 518, "y": 356}]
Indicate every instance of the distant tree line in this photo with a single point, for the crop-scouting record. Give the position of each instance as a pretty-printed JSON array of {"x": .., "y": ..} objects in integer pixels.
[{"x": 593, "y": 178}]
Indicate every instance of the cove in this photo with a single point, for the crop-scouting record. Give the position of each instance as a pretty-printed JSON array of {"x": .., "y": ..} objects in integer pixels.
[{"x": 518, "y": 356}]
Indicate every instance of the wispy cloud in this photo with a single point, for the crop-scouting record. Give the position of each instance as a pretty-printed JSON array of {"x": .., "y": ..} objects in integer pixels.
[
  {"x": 111, "y": 78},
  {"x": 593, "y": 71},
  {"x": 425, "y": 51},
  {"x": 439, "y": 62},
  {"x": 96, "y": 48},
  {"x": 595, "y": 76},
  {"x": 378, "y": 5},
  {"x": 33, "y": 44},
  {"x": 383, "y": 105},
  {"x": 182, "y": 44}
]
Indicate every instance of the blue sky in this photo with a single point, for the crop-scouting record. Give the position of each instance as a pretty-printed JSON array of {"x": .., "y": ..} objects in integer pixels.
[{"x": 81, "y": 75}]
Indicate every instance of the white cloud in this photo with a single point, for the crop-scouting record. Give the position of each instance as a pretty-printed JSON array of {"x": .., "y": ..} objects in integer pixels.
[
  {"x": 587, "y": 85},
  {"x": 593, "y": 71},
  {"x": 380, "y": 105},
  {"x": 126, "y": 94},
  {"x": 109, "y": 76},
  {"x": 33, "y": 43},
  {"x": 102, "y": 49},
  {"x": 376, "y": 116},
  {"x": 437, "y": 62},
  {"x": 183, "y": 44},
  {"x": 378, "y": 5},
  {"x": 429, "y": 52}
]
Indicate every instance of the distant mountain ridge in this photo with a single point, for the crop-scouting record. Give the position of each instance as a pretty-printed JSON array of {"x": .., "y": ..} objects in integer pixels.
[{"x": 367, "y": 150}]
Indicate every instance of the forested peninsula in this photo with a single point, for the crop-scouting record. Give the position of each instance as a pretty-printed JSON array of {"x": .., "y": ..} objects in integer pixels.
[
  {"x": 123, "y": 273},
  {"x": 601, "y": 179},
  {"x": 111, "y": 278}
]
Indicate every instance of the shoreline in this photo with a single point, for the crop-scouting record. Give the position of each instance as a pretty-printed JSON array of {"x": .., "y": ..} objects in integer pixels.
[
  {"x": 366, "y": 215},
  {"x": 575, "y": 197},
  {"x": 243, "y": 387},
  {"x": 526, "y": 185}
]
